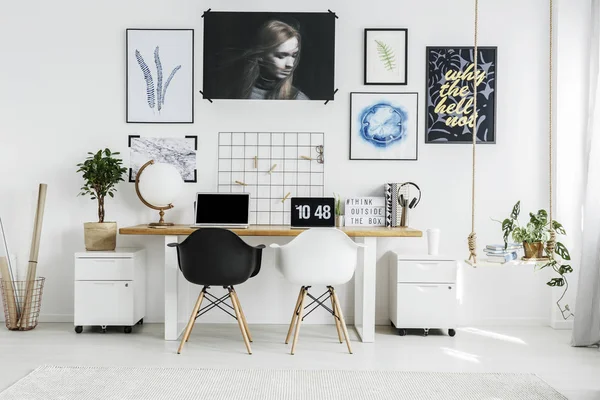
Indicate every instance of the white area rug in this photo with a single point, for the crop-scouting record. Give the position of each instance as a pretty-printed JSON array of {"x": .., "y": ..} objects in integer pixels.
[{"x": 65, "y": 383}]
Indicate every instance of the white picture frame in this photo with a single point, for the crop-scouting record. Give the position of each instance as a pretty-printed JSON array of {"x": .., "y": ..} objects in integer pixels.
[{"x": 160, "y": 76}]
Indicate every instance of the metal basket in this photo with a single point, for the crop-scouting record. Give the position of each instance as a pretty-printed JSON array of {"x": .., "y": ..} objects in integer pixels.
[{"x": 22, "y": 301}]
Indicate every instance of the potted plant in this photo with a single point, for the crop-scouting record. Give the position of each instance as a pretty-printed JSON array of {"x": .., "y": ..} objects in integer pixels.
[
  {"x": 339, "y": 217},
  {"x": 101, "y": 172},
  {"x": 534, "y": 237}
]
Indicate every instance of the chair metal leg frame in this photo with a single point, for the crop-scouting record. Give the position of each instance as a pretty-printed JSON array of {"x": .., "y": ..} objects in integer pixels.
[
  {"x": 236, "y": 307},
  {"x": 336, "y": 311},
  {"x": 216, "y": 302},
  {"x": 209, "y": 307}
]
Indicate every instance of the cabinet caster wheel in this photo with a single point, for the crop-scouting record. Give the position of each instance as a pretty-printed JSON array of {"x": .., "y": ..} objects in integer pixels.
[
  {"x": 451, "y": 332},
  {"x": 141, "y": 322},
  {"x": 127, "y": 329},
  {"x": 402, "y": 332},
  {"x": 78, "y": 329}
]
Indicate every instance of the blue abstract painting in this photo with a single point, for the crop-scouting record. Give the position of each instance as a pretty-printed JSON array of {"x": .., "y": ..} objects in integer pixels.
[{"x": 384, "y": 126}]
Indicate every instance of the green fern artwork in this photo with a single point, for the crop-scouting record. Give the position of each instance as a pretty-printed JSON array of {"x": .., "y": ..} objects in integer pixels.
[{"x": 386, "y": 55}]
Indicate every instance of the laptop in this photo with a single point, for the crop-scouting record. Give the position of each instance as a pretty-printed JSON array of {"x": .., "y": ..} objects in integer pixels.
[{"x": 222, "y": 210}]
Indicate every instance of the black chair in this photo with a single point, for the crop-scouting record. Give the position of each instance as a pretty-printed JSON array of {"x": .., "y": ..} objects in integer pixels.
[{"x": 217, "y": 257}]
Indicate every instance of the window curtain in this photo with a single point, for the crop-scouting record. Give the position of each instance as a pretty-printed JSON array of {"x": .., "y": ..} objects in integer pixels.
[{"x": 586, "y": 329}]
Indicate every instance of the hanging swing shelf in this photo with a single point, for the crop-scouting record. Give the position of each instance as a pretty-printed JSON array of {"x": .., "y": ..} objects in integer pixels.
[{"x": 483, "y": 262}]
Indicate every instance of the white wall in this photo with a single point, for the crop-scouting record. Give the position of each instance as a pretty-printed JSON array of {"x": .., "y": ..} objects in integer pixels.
[{"x": 63, "y": 94}]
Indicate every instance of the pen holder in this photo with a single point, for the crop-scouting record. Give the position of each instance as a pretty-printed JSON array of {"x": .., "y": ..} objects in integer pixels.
[{"x": 404, "y": 217}]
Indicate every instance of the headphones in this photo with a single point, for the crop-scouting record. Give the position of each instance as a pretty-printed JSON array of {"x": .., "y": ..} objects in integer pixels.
[{"x": 404, "y": 202}]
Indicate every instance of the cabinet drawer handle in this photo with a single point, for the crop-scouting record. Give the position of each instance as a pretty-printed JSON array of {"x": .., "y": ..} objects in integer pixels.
[{"x": 104, "y": 283}]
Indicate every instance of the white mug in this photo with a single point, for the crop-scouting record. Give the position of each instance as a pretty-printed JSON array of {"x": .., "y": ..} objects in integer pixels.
[{"x": 433, "y": 241}]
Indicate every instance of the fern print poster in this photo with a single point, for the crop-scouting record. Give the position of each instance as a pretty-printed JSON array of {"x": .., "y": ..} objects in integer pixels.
[
  {"x": 160, "y": 66},
  {"x": 386, "y": 56},
  {"x": 450, "y": 78}
]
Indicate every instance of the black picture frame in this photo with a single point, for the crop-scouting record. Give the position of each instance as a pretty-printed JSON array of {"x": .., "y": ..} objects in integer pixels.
[
  {"x": 404, "y": 80},
  {"x": 233, "y": 49},
  {"x": 128, "y": 118},
  {"x": 415, "y": 119},
  {"x": 492, "y": 82}
]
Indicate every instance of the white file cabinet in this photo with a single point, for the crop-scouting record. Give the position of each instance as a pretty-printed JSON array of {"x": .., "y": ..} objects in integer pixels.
[
  {"x": 422, "y": 293},
  {"x": 110, "y": 288}
]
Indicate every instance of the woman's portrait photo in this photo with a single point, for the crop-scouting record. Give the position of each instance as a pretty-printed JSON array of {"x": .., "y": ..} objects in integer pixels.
[{"x": 269, "y": 56}]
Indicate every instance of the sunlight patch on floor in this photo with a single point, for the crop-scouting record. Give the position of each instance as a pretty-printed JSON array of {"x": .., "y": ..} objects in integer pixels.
[{"x": 494, "y": 335}]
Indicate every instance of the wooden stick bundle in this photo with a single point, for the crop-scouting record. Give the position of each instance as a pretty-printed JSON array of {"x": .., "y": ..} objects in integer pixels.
[
  {"x": 8, "y": 279},
  {"x": 33, "y": 254},
  {"x": 9, "y": 290}
]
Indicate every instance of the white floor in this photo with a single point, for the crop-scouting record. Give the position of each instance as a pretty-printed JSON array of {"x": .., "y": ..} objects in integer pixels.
[{"x": 575, "y": 372}]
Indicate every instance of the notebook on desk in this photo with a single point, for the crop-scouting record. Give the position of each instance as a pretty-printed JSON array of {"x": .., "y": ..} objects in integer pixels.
[{"x": 222, "y": 210}]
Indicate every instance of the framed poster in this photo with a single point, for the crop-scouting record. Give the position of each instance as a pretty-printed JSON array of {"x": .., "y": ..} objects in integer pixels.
[
  {"x": 160, "y": 75},
  {"x": 449, "y": 92},
  {"x": 384, "y": 126},
  {"x": 269, "y": 56},
  {"x": 386, "y": 56},
  {"x": 179, "y": 152}
]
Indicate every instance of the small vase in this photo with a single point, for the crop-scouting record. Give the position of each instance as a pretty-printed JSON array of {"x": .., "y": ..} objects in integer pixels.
[
  {"x": 533, "y": 250},
  {"x": 100, "y": 236},
  {"x": 339, "y": 221}
]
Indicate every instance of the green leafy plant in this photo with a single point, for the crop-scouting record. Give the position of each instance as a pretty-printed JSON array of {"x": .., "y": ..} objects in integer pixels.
[
  {"x": 386, "y": 55},
  {"x": 338, "y": 204},
  {"x": 101, "y": 172},
  {"x": 538, "y": 230}
]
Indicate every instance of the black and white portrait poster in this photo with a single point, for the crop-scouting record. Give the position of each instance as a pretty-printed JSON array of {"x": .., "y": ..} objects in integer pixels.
[
  {"x": 269, "y": 56},
  {"x": 450, "y": 78}
]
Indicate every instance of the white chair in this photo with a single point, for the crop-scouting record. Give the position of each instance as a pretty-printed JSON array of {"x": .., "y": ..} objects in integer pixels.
[{"x": 318, "y": 256}]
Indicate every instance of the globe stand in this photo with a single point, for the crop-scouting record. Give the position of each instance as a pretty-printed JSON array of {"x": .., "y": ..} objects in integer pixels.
[{"x": 161, "y": 212}]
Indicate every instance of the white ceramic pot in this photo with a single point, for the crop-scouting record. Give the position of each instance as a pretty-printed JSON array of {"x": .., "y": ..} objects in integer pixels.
[{"x": 339, "y": 221}]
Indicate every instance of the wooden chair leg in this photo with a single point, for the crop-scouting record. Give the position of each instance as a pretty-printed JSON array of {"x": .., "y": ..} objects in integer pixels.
[
  {"x": 335, "y": 316},
  {"x": 190, "y": 325},
  {"x": 294, "y": 315},
  {"x": 236, "y": 308},
  {"x": 237, "y": 299},
  {"x": 299, "y": 319},
  {"x": 342, "y": 321}
]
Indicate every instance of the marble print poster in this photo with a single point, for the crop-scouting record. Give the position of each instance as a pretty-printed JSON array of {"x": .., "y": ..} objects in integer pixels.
[{"x": 180, "y": 152}]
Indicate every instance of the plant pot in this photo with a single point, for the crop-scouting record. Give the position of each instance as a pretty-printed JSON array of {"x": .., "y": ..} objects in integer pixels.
[
  {"x": 534, "y": 250},
  {"x": 100, "y": 235},
  {"x": 339, "y": 221}
]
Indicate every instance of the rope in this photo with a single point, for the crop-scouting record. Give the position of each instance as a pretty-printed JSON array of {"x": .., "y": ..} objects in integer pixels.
[
  {"x": 551, "y": 243},
  {"x": 473, "y": 235}
]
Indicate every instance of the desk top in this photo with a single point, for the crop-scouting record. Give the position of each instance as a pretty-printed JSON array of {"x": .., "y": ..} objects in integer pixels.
[{"x": 273, "y": 230}]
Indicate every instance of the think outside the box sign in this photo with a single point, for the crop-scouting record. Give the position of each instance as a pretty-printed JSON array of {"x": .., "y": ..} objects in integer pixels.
[{"x": 365, "y": 211}]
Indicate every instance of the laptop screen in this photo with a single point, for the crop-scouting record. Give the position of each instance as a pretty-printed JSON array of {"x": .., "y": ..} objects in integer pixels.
[{"x": 222, "y": 208}]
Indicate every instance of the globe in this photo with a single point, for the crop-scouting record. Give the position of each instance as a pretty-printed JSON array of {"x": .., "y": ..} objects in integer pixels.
[{"x": 160, "y": 184}]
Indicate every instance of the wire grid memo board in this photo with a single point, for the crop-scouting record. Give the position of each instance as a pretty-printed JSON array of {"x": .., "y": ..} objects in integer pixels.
[{"x": 273, "y": 167}]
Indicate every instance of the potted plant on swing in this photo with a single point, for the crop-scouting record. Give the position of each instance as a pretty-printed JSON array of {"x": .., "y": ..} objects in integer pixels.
[
  {"x": 534, "y": 237},
  {"x": 101, "y": 172}
]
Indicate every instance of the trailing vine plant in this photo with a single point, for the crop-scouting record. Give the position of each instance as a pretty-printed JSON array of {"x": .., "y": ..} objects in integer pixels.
[{"x": 538, "y": 230}]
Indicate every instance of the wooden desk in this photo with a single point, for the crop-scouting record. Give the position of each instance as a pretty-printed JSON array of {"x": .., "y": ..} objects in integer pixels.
[{"x": 177, "y": 308}]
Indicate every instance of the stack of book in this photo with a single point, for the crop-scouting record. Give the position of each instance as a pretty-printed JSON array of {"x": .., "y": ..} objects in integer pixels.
[{"x": 496, "y": 253}]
